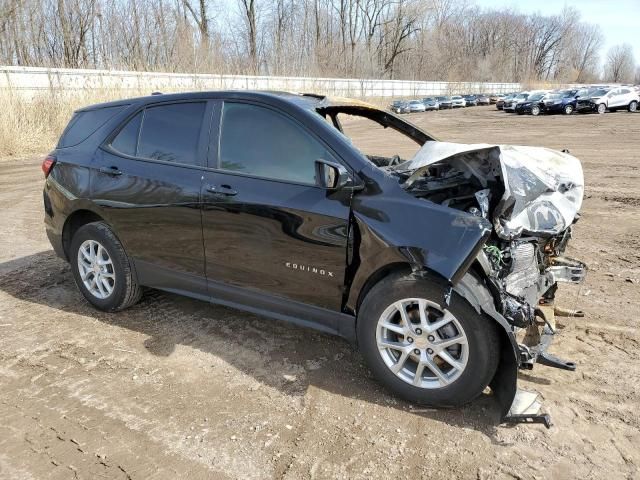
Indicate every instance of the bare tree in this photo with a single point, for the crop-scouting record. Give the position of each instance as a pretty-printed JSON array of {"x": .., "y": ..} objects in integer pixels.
[{"x": 620, "y": 64}]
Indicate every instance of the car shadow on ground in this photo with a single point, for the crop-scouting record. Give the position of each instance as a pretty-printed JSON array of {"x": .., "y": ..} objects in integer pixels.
[{"x": 238, "y": 338}]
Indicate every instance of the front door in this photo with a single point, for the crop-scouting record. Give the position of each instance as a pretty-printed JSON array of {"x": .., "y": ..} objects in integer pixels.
[{"x": 268, "y": 227}]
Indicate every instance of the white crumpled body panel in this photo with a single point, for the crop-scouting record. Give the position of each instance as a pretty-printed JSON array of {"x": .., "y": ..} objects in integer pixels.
[{"x": 543, "y": 188}]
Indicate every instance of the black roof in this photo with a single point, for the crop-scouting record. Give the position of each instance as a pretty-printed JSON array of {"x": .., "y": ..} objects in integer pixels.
[{"x": 307, "y": 101}]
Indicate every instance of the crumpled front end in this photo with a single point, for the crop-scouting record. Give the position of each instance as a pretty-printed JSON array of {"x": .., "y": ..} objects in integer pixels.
[{"x": 532, "y": 196}]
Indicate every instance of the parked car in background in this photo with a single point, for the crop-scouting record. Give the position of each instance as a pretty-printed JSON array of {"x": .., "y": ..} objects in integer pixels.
[
  {"x": 396, "y": 106},
  {"x": 496, "y": 97},
  {"x": 623, "y": 98},
  {"x": 561, "y": 102},
  {"x": 470, "y": 100},
  {"x": 483, "y": 99},
  {"x": 534, "y": 104},
  {"x": 507, "y": 98},
  {"x": 589, "y": 101},
  {"x": 510, "y": 105},
  {"x": 431, "y": 103},
  {"x": 458, "y": 101},
  {"x": 416, "y": 106},
  {"x": 445, "y": 102}
]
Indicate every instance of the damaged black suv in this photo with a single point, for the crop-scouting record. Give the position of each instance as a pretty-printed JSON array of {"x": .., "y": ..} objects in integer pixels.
[{"x": 263, "y": 201}]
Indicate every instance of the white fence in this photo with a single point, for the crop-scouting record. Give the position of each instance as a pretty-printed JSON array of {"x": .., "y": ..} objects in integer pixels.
[{"x": 30, "y": 81}]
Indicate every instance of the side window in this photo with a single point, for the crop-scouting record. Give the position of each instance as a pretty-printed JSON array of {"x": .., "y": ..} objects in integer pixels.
[
  {"x": 624, "y": 91},
  {"x": 259, "y": 141},
  {"x": 170, "y": 133},
  {"x": 127, "y": 140},
  {"x": 85, "y": 123}
]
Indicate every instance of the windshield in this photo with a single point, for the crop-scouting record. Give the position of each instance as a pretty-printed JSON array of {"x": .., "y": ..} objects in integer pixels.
[
  {"x": 456, "y": 97},
  {"x": 536, "y": 96},
  {"x": 554, "y": 96},
  {"x": 600, "y": 92},
  {"x": 521, "y": 96}
]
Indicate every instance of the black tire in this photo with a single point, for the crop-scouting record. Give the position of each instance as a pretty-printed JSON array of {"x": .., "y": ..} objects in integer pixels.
[
  {"x": 568, "y": 109},
  {"x": 481, "y": 332},
  {"x": 633, "y": 106},
  {"x": 126, "y": 291}
]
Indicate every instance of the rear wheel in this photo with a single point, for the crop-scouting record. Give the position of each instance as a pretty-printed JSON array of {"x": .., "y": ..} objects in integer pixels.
[
  {"x": 633, "y": 106},
  {"x": 422, "y": 350},
  {"x": 101, "y": 268},
  {"x": 568, "y": 109},
  {"x": 602, "y": 108}
]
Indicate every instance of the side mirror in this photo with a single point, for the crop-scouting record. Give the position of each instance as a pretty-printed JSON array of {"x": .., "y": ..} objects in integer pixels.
[{"x": 333, "y": 176}]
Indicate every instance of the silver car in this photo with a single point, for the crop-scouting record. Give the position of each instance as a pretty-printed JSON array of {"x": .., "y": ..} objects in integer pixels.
[
  {"x": 416, "y": 106},
  {"x": 458, "y": 101}
]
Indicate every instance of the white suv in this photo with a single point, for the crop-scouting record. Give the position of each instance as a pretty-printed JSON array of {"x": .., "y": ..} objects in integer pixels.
[{"x": 618, "y": 98}]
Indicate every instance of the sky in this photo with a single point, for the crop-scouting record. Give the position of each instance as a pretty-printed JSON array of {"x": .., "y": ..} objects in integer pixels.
[{"x": 619, "y": 20}]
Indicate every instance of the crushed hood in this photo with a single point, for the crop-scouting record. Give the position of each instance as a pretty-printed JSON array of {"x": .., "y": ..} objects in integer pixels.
[{"x": 543, "y": 188}]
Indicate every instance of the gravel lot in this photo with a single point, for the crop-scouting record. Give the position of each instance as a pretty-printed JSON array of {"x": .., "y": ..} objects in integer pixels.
[{"x": 175, "y": 387}]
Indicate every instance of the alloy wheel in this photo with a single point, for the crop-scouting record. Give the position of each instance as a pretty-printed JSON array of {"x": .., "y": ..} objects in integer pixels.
[
  {"x": 421, "y": 343},
  {"x": 535, "y": 110},
  {"x": 96, "y": 269},
  {"x": 602, "y": 108},
  {"x": 568, "y": 109}
]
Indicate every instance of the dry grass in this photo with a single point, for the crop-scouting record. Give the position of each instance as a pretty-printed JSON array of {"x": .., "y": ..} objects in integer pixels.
[{"x": 32, "y": 124}]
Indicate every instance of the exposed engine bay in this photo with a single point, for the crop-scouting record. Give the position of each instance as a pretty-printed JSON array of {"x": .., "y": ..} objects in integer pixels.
[{"x": 531, "y": 196}]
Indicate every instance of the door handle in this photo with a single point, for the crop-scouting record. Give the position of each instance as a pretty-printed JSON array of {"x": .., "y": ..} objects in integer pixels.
[
  {"x": 221, "y": 190},
  {"x": 113, "y": 171}
]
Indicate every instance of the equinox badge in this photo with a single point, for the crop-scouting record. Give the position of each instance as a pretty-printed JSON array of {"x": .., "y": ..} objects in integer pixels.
[{"x": 309, "y": 268}]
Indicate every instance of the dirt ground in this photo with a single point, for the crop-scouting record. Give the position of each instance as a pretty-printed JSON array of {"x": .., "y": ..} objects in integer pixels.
[{"x": 177, "y": 388}]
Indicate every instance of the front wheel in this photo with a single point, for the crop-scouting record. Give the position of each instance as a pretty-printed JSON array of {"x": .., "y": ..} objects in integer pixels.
[
  {"x": 535, "y": 110},
  {"x": 101, "y": 268},
  {"x": 423, "y": 350},
  {"x": 568, "y": 109},
  {"x": 633, "y": 106},
  {"x": 602, "y": 108}
]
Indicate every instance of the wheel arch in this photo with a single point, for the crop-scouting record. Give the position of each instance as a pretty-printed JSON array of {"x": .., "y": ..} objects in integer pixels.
[{"x": 73, "y": 222}]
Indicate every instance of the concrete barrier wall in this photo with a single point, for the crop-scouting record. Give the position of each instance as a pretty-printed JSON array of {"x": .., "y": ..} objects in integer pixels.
[{"x": 31, "y": 81}]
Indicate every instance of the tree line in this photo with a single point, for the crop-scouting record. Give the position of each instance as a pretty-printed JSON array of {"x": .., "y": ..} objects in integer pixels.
[{"x": 449, "y": 40}]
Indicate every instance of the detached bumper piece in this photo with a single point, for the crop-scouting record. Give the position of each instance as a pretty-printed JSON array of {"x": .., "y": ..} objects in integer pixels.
[{"x": 526, "y": 407}]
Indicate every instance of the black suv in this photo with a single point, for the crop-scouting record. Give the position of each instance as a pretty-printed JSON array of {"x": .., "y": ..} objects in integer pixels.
[{"x": 259, "y": 201}]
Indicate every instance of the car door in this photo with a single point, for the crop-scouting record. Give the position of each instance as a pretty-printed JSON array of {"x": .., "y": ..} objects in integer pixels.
[
  {"x": 268, "y": 227},
  {"x": 615, "y": 99},
  {"x": 147, "y": 180}
]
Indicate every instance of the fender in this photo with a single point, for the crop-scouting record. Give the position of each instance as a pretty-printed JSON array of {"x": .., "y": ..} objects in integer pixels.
[{"x": 399, "y": 228}]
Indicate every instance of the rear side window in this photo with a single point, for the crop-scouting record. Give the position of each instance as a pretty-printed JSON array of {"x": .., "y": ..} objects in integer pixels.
[
  {"x": 127, "y": 140},
  {"x": 259, "y": 141},
  {"x": 84, "y": 123},
  {"x": 170, "y": 133}
]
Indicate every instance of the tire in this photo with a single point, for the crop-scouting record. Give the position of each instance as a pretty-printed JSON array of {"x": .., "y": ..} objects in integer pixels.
[
  {"x": 568, "y": 109},
  {"x": 478, "y": 360},
  {"x": 633, "y": 106},
  {"x": 118, "y": 289},
  {"x": 602, "y": 108},
  {"x": 535, "y": 110}
]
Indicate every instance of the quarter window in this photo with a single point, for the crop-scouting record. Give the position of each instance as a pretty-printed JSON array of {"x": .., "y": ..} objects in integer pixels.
[{"x": 261, "y": 142}]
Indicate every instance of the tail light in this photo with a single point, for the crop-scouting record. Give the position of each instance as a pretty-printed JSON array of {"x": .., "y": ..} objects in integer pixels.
[{"x": 47, "y": 165}]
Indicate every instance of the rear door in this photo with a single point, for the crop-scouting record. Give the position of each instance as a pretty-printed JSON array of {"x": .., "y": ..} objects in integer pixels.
[
  {"x": 268, "y": 228},
  {"x": 147, "y": 180}
]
